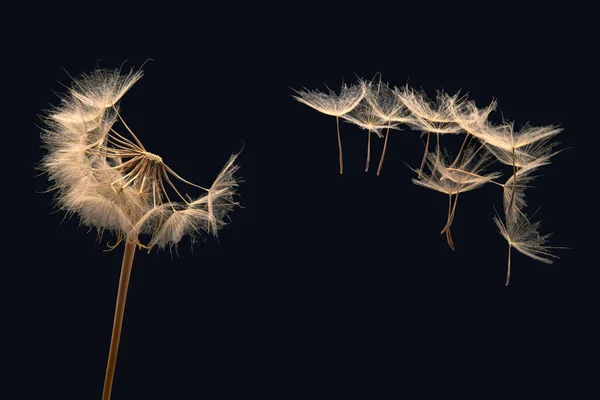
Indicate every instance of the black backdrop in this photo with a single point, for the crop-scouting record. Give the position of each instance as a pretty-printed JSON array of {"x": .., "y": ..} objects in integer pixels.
[{"x": 322, "y": 284}]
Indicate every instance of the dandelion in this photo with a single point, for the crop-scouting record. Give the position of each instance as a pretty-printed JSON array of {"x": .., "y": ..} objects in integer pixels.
[
  {"x": 386, "y": 105},
  {"x": 114, "y": 184},
  {"x": 526, "y": 151},
  {"x": 431, "y": 117},
  {"x": 466, "y": 176},
  {"x": 334, "y": 105},
  {"x": 471, "y": 118},
  {"x": 514, "y": 193},
  {"x": 523, "y": 235},
  {"x": 365, "y": 117},
  {"x": 529, "y": 156}
]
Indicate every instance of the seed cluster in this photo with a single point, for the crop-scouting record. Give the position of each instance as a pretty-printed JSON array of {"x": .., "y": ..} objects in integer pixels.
[{"x": 376, "y": 107}]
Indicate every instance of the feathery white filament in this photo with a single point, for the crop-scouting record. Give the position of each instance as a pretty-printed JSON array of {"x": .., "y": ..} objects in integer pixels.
[
  {"x": 375, "y": 106},
  {"x": 111, "y": 181}
]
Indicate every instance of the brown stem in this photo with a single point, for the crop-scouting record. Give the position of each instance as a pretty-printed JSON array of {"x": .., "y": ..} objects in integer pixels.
[
  {"x": 118, "y": 321},
  {"x": 368, "y": 151},
  {"x": 508, "y": 270},
  {"x": 425, "y": 154},
  {"x": 512, "y": 196},
  {"x": 448, "y": 234},
  {"x": 449, "y": 240},
  {"x": 387, "y": 132},
  {"x": 337, "y": 121},
  {"x": 451, "y": 214}
]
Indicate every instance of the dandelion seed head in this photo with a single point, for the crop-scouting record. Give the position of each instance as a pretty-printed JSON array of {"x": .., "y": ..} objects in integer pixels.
[
  {"x": 111, "y": 182},
  {"x": 153, "y": 157}
]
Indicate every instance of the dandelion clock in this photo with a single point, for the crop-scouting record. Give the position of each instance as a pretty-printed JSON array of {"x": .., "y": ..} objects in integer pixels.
[{"x": 101, "y": 172}]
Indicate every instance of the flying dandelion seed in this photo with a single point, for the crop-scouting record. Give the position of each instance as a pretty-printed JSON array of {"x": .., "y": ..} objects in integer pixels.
[
  {"x": 387, "y": 106},
  {"x": 431, "y": 117},
  {"x": 527, "y": 148},
  {"x": 334, "y": 105},
  {"x": 113, "y": 183},
  {"x": 382, "y": 107},
  {"x": 523, "y": 235},
  {"x": 465, "y": 177},
  {"x": 365, "y": 117}
]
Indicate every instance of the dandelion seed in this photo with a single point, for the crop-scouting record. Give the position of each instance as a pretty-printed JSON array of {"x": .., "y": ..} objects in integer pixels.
[
  {"x": 428, "y": 116},
  {"x": 523, "y": 235},
  {"x": 452, "y": 181},
  {"x": 386, "y": 105},
  {"x": 334, "y": 105},
  {"x": 431, "y": 117},
  {"x": 514, "y": 193},
  {"x": 524, "y": 149},
  {"x": 529, "y": 156},
  {"x": 382, "y": 107},
  {"x": 471, "y": 118},
  {"x": 504, "y": 136},
  {"x": 365, "y": 117}
]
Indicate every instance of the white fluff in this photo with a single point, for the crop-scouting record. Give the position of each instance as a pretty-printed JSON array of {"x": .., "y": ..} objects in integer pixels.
[
  {"x": 365, "y": 117},
  {"x": 375, "y": 106},
  {"x": 523, "y": 235},
  {"x": 109, "y": 179},
  {"x": 386, "y": 104},
  {"x": 431, "y": 117},
  {"x": 332, "y": 103},
  {"x": 514, "y": 193},
  {"x": 450, "y": 176}
]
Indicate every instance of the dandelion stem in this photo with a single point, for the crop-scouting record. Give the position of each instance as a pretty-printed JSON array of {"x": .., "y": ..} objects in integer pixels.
[
  {"x": 368, "y": 150},
  {"x": 448, "y": 234},
  {"x": 387, "y": 132},
  {"x": 337, "y": 121},
  {"x": 451, "y": 213},
  {"x": 508, "y": 269},
  {"x": 425, "y": 153},
  {"x": 118, "y": 320},
  {"x": 449, "y": 240},
  {"x": 512, "y": 195}
]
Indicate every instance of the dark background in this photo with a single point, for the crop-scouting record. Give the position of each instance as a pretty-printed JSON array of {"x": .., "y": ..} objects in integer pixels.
[{"x": 322, "y": 283}]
